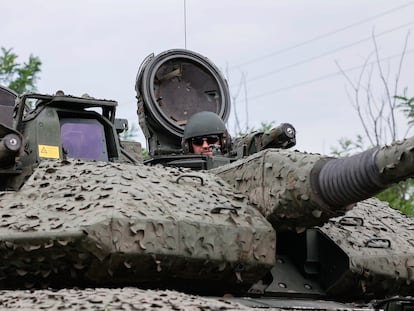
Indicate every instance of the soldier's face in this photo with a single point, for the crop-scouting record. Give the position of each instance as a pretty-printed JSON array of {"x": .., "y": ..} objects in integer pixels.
[{"x": 201, "y": 144}]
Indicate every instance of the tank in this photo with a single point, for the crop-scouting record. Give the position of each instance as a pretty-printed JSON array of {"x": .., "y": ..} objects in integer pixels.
[{"x": 86, "y": 224}]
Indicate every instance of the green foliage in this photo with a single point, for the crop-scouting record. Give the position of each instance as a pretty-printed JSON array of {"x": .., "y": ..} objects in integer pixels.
[
  {"x": 348, "y": 147},
  {"x": 144, "y": 154},
  {"x": 400, "y": 196},
  {"x": 407, "y": 107},
  {"x": 264, "y": 126},
  {"x": 16, "y": 76},
  {"x": 130, "y": 134}
]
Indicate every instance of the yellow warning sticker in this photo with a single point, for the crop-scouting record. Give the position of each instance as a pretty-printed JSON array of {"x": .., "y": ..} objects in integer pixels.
[{"x": 51, "y": 152}]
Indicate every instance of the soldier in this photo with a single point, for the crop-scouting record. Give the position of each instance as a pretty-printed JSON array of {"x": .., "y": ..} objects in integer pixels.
[{"x": 206, "y": 133}]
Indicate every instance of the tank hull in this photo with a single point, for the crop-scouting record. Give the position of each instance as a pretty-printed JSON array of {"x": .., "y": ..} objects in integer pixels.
[{"x": 78, "y": 223}]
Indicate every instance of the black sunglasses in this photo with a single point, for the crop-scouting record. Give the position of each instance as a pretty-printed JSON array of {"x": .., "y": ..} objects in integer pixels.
[{"x": 198, "y": 141}]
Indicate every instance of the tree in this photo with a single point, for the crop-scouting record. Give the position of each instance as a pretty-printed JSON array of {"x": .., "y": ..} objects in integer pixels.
[
  {"x": 129, "y": 134},
  {"x": 17, "y": 76},
  {"x": 407, "y": 107},
  {"x": 264, "y": 126},
  {"x": 377, "y": 115}
]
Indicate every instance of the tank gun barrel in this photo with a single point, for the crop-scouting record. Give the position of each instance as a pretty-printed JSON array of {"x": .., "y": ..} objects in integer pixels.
[
  {"x": 348, "y": 180},
  {"x": 297, "y": 190}
]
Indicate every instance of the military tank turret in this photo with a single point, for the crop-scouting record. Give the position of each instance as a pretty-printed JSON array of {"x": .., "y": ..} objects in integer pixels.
[{"x": 82, "y": 217}]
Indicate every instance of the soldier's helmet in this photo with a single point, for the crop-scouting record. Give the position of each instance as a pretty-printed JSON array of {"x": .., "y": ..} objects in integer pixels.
[{"x": 203, "y": 124}]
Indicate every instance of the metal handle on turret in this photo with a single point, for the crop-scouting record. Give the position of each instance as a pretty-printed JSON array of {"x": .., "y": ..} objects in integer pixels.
[
  {"x": 190, "y": 176},
  {"x": 378, "y": 243}
]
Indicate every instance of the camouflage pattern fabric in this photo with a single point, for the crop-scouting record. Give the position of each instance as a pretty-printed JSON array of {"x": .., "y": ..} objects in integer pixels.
[{"x": 110, "y": 299}]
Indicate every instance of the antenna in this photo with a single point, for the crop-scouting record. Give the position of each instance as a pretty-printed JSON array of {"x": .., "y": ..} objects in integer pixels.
[{"x": 185, "y": 25}]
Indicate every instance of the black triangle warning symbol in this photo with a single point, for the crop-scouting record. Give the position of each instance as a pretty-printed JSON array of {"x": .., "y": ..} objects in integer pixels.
[{"x": 43, "y": 150}]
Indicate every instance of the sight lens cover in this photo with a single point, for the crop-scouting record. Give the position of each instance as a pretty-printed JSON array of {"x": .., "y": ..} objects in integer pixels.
[{"x": 176, "y": 84}]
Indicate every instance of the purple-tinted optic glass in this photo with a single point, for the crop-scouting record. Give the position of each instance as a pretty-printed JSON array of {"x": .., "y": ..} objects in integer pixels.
[{"x": 82, "y": 140}]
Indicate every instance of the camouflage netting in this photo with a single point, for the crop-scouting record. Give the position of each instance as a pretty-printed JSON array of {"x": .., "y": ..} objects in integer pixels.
[
  {"x": 379, "y": 242},
  {"x": 395, "y": 162},
  {"x": 110, "y": 222},
  {"x": 278, "y": 183},
  {"x": 110, "y": 299},
  {"x": 297, "y": 190}
]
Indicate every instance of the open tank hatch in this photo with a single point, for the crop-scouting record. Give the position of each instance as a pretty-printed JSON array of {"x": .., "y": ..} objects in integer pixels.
[{"x": 173, "y": 86}]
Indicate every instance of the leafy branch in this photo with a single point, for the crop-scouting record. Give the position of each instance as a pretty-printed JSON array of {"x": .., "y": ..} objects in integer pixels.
[{"x": 16, "y": 76}]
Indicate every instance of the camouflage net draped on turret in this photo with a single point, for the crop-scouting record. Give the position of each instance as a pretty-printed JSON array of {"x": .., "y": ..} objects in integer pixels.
[
  {"x": 297, "y": 190},
  {"x": 86, "y": 222},
  {"x": 278, "y": 183},
  {"x": 111, "y": 299}
]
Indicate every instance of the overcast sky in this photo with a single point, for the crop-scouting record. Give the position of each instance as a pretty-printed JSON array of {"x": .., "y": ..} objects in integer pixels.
[{"x": 288, "y": 51}]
